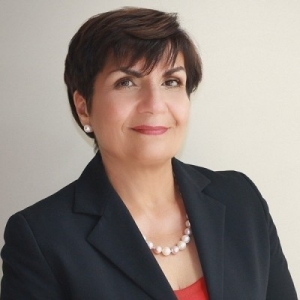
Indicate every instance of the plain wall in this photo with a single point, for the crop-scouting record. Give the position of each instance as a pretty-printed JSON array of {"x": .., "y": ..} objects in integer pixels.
[{"x": 245, "y": 115}]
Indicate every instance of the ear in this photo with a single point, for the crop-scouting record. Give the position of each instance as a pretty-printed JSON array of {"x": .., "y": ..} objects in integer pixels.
[{"x": 81, "y": 108}]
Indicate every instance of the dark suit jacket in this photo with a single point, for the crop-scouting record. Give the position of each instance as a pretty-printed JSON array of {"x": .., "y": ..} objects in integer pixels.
[{"x": 82, "y": 243}]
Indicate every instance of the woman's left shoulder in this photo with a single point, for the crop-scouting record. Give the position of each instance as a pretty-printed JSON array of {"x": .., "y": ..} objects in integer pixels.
[{"x": 232, "y": 188}]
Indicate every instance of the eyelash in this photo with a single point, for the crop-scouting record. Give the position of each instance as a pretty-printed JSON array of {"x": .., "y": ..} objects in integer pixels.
[
  {"x": 120, "y": 83},
  {"x": 178, "y": 83}
]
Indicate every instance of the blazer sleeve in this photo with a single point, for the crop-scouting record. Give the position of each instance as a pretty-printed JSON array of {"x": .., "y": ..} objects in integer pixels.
[
  {"x": 26, "y": 273},
  {"x": 280, "y": 283}
]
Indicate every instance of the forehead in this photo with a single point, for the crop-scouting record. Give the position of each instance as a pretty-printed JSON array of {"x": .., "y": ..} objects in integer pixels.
[{"x": 141, "y": 65}]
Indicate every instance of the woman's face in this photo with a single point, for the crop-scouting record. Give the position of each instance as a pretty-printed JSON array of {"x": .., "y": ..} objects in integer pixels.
[{"x": 138, "y": 117}]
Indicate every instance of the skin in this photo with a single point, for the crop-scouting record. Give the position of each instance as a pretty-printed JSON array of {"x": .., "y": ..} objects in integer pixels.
[
  {"x": 139, "y": 121},
  {"x": 125, "y": 103}
]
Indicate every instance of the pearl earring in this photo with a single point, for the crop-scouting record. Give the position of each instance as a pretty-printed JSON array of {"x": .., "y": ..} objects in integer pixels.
[{"x": 87, "y": 128}]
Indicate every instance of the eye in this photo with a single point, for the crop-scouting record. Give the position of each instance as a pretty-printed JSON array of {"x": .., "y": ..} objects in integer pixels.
[
  {"x": 172, "y": 83},
  {"x": 124, "y": 83}
]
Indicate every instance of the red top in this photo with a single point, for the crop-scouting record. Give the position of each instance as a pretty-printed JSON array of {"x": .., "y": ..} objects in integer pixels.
[{"x": 196, "y": 291}]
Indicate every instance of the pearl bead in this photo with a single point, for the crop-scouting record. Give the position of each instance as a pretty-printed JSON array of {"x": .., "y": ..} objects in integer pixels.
[
  {"x": 150, "y": 245},
  {"x": 187, "y": 231},
  {"x": 185, "y": 238},
  {"x": 181, "y": 245},
  {"x": 157, "y": 249},
  {"x": 175, "y": 250},
  {"x": 87, "y": 128},
  {"x": 166, "y": 251}
]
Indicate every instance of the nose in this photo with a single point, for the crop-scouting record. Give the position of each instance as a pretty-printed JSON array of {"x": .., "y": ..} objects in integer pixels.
[{"x": 152, "y": 100}]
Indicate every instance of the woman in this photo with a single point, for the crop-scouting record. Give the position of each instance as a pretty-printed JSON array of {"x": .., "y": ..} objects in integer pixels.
[{"x": 138, "y": 223}]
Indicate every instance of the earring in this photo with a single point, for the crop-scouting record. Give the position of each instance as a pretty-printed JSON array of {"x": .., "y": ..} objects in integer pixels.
[{"x": 87, "y": 129}]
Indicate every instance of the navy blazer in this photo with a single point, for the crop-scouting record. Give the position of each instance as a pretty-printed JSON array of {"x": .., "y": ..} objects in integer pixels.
[{"x": 82, "y": 243}]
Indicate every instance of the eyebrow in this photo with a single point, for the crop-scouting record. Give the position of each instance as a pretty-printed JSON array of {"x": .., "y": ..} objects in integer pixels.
[
  {"x": 138, "y": 74},
  {"x": 174, "y": 70}
]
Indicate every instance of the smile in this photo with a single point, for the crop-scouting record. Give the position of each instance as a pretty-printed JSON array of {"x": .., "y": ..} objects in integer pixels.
[{"x": 150, "y": 130}]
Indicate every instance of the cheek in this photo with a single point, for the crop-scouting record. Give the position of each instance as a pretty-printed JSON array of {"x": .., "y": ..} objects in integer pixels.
[
  {"x": 182, "y": 112},
  {"x": 186, "y": 110},
  {"x": 105, "y": 112}
]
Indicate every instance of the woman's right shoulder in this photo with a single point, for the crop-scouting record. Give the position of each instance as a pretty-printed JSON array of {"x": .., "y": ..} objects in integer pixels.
[{"x": 52, "y": 207}]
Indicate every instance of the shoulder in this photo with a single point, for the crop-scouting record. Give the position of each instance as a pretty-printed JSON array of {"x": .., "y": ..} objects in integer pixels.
[
  {"x": 229, "y": 181},
  {"x": 60, "y": 201},
  {"x": 49, "y": 216},
  {"x": 51, "y": 223},
  {"x": 231, "y": 188},
  {"x": 63, "y": 209},
  {"x": 226, "y": 179}
]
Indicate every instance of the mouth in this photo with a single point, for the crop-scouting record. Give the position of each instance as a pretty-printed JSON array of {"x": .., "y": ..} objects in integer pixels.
[{"x": 150, "y": 130}]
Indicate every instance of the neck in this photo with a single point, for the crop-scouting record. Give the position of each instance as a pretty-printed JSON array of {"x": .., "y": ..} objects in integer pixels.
[
  {"x": 142, "y": 187},
  {"x": 151, "y": 196}
]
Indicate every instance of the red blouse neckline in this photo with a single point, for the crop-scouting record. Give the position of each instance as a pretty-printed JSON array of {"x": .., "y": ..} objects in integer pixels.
[{"x": 195, "y": 291}]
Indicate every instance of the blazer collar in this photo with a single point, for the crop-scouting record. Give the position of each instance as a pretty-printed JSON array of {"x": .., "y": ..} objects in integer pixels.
[
  {"x": 119, "y": 239},
  {"x": 116, "y": 235},
  {"x": 207, "y": 217}
]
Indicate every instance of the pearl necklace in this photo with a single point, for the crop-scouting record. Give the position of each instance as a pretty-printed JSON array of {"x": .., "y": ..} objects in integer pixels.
[{"x": 181, "y": 245}]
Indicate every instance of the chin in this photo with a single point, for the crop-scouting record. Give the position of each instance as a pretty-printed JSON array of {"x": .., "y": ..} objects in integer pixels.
[{"x": 154, "y": 158}]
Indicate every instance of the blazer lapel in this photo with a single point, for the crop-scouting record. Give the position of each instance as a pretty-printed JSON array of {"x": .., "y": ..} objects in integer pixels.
[
  {"x": 207, "y": 217},
  {"x": 116, "y": 235}
]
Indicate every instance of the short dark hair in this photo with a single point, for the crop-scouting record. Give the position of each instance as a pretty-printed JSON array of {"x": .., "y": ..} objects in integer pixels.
[{"x": 128, "y": 34}]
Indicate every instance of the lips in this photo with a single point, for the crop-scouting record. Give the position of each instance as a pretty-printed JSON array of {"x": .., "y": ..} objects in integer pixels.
[{"x": 150, "y": 130}]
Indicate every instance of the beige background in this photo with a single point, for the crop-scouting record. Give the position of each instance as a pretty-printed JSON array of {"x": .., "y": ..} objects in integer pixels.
[{"x": 245, "y": 116}]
